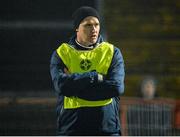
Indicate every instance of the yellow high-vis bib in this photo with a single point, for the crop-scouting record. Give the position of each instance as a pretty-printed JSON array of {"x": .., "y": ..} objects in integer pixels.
[{"x": 81, "y": 61}]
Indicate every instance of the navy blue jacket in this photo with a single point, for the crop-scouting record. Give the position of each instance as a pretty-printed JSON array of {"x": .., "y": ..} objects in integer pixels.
[{"x": 88, "y": 120}]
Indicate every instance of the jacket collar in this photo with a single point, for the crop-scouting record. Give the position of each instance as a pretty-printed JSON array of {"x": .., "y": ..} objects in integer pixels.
[{"x": 78, "y": 46}]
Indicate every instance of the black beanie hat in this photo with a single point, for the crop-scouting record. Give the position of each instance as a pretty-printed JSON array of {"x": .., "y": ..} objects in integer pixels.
[{"x": 82, "y": 13}]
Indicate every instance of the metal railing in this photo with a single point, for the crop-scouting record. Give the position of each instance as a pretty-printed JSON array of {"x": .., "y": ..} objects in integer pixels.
[{"x": 148, "y": 117}]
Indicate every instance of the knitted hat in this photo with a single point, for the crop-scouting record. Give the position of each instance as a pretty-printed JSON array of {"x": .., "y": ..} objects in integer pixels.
[{"x": 82, "y": 13}]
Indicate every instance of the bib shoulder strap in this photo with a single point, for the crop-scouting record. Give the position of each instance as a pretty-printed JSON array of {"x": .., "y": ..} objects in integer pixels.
[
  {"x": 63, "y": 51},
  {"x": 107, "y": 44}
]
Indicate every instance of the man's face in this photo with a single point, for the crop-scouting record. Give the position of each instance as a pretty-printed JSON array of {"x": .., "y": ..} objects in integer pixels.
[
  {"x": 148, "y": 90},
  {"x": 88, "y": 31}
]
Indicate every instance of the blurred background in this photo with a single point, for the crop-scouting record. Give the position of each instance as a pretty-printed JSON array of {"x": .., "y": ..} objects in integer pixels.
[{"x": 147, "y": 33}]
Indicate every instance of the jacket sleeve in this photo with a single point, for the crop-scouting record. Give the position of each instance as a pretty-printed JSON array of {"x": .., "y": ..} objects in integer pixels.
[
  {"x": 69, "y": 84},
  {"x": 112, "y": 85}
]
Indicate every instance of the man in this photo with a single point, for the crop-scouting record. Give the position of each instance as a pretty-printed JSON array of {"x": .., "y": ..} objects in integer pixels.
[
  {"x": 88, "y": 77},
  {"x": 148, "y": 88}
]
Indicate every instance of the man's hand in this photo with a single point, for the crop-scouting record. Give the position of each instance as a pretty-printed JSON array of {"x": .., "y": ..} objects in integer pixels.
[{"x": 66, "y": 71}]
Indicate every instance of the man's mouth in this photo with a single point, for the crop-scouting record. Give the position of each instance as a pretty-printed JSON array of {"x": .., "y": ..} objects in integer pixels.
[{"x": 93, "y": 36}]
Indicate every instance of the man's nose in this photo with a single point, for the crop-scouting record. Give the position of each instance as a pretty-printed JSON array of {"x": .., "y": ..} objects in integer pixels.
[{"x": 93, "y": 28}]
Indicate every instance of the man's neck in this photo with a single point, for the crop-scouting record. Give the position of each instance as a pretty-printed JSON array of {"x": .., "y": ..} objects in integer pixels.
[{"x": 84, "y": 45}]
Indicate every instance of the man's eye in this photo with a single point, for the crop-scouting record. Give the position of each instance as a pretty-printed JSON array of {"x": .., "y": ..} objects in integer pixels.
[{"x": 88, "y": 25}]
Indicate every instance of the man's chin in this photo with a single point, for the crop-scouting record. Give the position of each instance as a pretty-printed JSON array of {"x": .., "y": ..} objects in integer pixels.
[{"x": 93, "y": 41}]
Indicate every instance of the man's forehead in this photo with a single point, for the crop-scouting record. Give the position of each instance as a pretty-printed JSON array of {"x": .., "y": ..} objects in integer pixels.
[{"x": 90, "y": 19}]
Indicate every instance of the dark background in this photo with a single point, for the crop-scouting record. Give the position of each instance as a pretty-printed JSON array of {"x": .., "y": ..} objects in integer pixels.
[
  {"x": 30, "y": 31},
  {"x": 148, "y": 34}
]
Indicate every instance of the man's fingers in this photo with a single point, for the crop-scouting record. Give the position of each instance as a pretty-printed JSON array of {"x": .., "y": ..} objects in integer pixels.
[{"x": 66, "y": 71}]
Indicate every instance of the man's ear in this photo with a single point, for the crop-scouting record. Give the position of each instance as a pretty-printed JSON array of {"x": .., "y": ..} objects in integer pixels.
[{"x": 77, "y": 30}]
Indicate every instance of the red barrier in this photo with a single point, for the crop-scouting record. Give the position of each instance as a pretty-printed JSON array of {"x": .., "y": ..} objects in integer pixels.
[{"x": 177, "y": 115}]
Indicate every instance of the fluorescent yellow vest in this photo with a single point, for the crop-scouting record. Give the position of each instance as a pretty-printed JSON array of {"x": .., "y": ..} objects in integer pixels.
[{"x": 81, "y": 61}]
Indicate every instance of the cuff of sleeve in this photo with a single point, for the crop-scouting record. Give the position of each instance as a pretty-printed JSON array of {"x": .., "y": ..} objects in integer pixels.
[
  {"x": 93, "y": 77},
  {"x": 100, "y": 78},
  {"x": 96, "y": 77}
]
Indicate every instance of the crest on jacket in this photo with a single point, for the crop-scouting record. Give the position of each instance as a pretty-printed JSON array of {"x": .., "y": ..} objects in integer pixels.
[{"x": 85, "y": 64}]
